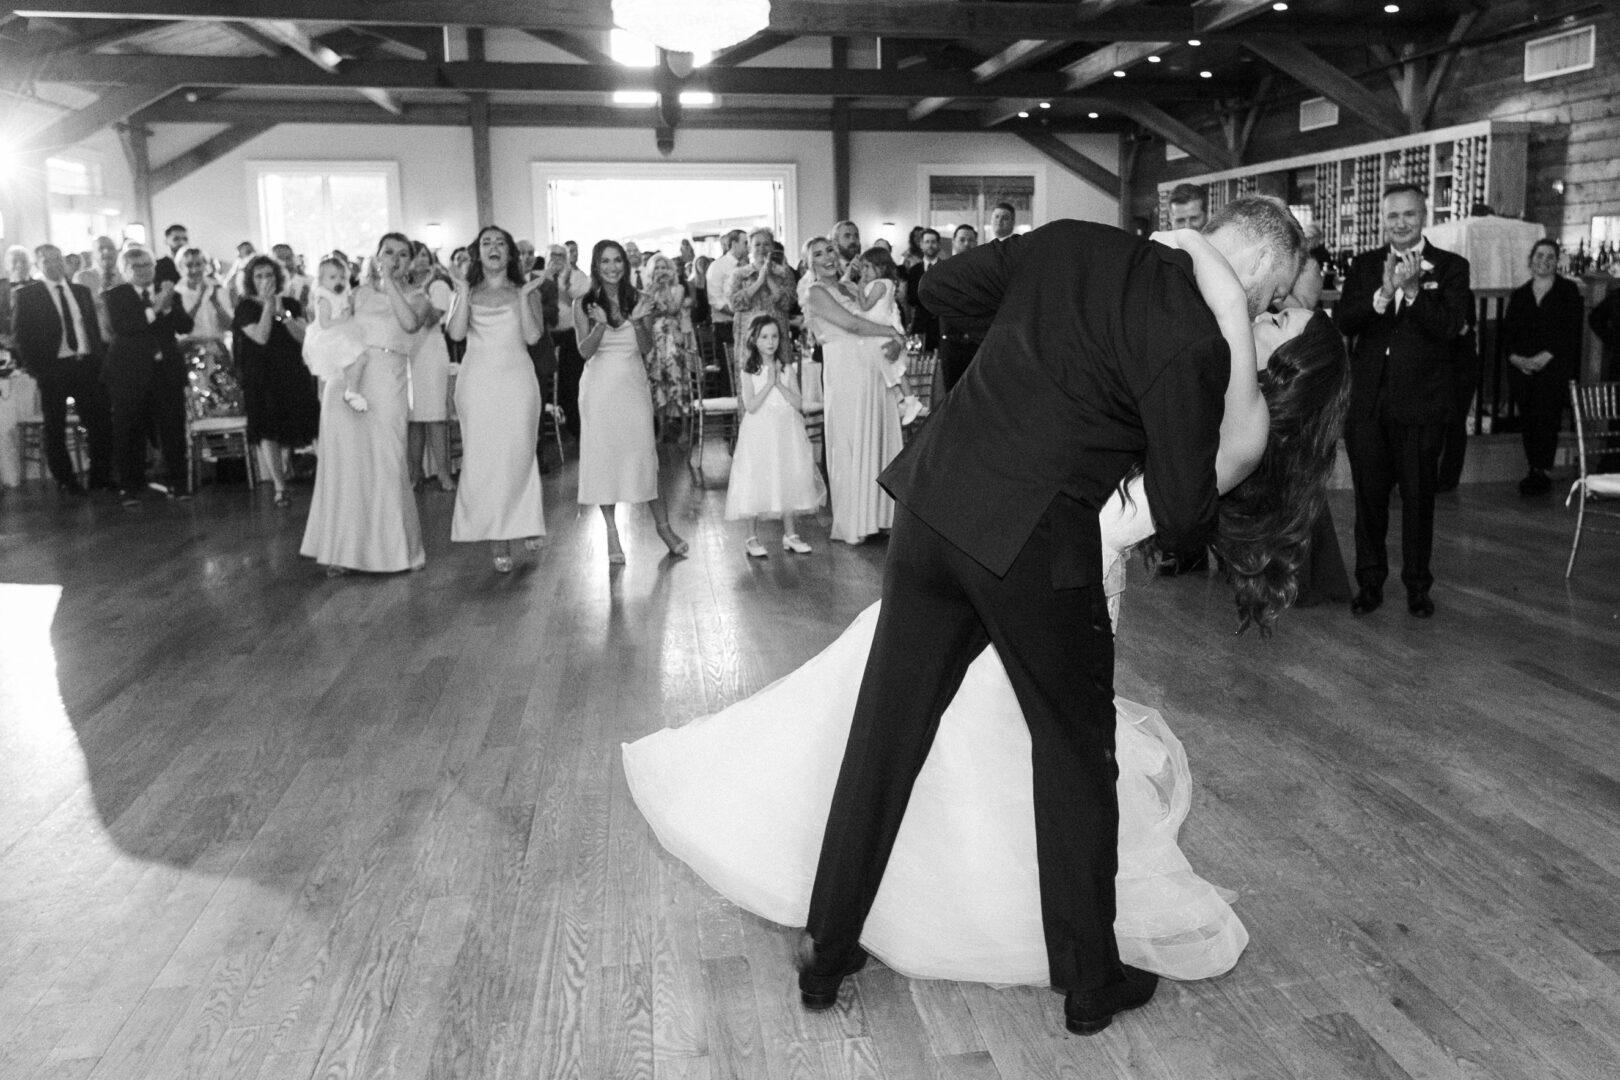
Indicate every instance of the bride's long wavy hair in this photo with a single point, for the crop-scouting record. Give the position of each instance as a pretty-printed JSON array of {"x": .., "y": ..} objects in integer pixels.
[{"x": 1264, "y": 524}]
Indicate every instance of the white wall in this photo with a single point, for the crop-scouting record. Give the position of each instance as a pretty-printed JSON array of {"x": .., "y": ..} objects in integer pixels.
[
  {"x": 215, "y": 204},
  {"x": 436, "y": 176}
]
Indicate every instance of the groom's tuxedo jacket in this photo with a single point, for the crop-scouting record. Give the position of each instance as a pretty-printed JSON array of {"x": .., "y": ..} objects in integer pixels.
[{"x": 1099, "y": 354}]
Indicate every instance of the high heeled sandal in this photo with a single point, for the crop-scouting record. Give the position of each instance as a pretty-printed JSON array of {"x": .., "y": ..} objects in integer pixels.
[
  {"x": 503, "y": 564},
  {"x": 677, "y": 546},
  {"x": 531, "y": 544}
]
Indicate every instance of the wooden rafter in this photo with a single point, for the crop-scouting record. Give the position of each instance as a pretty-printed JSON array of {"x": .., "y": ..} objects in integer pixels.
[
  {"x": 753, "y": 48},
  {"x": 1317, "y": 74},
  {"x": 289, "y": 35},
  {"x": 111, "y": 107},
  {"x": 233, "y": 111},
  {"x": 970, "y": 19},
  {"x": 475, "y": 75},
  {"x": 1170, "y": 129},
  {"x": 1073, "y": 160},
  {"x": 573, "y": 44},
  {"x": 206, "y": 152}
]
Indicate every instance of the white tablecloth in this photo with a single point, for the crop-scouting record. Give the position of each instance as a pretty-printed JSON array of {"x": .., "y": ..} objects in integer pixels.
[{"x": 19, "y": 400}]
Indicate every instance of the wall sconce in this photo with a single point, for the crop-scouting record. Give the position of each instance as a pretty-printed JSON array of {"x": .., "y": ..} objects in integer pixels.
[
  {"x": 1558, "y": 186},
  {"x": 433, "y": 235}
]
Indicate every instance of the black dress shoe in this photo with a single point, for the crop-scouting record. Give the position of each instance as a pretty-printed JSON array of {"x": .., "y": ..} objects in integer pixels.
[
  {"x": 1086, "y": 1012},
  {"x": 1420, "y": 605},
  {"x": 71, "y": 487},
  {"x": 818, "y": 979},
  {"x": 1536, "y": 483},
  {"x": 1367, "y": 599}
]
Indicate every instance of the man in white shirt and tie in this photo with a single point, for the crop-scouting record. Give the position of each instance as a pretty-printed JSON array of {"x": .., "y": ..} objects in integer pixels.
[
  {"x": 59, "y": 343},
  {"x": 1003, "y": 217},
  {"x": 924, "y": 323},
  {"x": 145, "y": 375}
]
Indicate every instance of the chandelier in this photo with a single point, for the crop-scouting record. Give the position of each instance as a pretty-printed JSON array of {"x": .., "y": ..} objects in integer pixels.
[{"x": 691, "y": 26}]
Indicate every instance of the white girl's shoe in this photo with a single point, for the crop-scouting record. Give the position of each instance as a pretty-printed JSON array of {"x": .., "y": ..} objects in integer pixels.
[
  {"x": 794, "y": 544},
  {"x": 755, "y": 549}
]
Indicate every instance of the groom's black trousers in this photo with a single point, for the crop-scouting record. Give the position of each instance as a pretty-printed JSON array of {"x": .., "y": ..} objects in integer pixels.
[{"x": 940, "y": 608}]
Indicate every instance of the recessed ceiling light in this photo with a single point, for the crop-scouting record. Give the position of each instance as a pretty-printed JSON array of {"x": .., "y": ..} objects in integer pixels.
[
  {"x": 1195, "y": 43},
  {"x": 1206, "y": 74},
  {"x": 1279, "y": 6},
  {"x": 1023, "y": 114},
  {"x": 1390, "y": 9},
  {"x": 1153, "y": 59},
  {"x": 1119, "y": 73},
  {"x": 1046, "y": 104},
  {"x": 1092, "y": 115}
]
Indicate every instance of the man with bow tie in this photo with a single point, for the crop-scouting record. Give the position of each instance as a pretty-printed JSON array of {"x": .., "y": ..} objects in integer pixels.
[
  {"x": 145, "y": 375},
  {"x": 1403, "y": 307}
]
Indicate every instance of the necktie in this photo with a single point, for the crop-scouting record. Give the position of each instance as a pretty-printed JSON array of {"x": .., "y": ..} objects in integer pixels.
[
  {"x": 67, "y": 319},
  {"x": 146, "y": 297}
]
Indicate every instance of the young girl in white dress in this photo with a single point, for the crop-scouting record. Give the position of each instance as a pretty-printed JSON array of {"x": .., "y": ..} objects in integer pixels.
[
  {"x": 773, "y": 471},
  {"x": 334, "y": 341}
]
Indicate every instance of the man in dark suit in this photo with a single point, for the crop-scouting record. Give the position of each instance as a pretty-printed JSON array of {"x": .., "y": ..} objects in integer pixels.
[
  {"x": 959, "y": 340},
  {"x": 59, "y": 344},
  {"x": 1404, "y": 306},
  {"x": 924, "y": 323},
  {"x": 177, "y": 238},
  {"x": 1099, "y": 355},
  {"x": 145, "y": 375}
]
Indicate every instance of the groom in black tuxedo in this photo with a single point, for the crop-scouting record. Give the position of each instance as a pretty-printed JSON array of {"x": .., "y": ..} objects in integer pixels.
[{"x": 1099, "y": 355}]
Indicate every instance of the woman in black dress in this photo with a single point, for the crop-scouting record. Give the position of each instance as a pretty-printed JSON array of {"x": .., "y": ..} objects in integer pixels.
[
  {"x": 1541, "y": 333},
  {"x": 267, "y": 337}
]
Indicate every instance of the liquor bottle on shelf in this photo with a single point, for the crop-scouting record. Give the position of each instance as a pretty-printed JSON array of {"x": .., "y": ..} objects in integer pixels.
[
  {"x": 1578, "y": 264},
  {"x": 1605, "y": 259}
]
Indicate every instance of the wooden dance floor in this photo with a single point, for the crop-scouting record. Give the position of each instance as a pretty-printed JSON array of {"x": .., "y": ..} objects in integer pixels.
[{"x": 259, "y": 823}]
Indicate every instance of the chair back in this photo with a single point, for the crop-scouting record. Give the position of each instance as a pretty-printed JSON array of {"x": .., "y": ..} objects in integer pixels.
[{"x": 1596, "y": 408}]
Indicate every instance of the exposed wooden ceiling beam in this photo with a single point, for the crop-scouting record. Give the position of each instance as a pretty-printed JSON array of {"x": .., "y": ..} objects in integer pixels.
[
  {"x": 572, "y": 44},
  {"x": 1170, "y": 129},
  {"x": 238, "y": 111},
  {"x": 974, "y": 19},
  {"x": 114, "y": 105},
  {"x": 474, "y": 76},
  {"x": 756, "y": 46},
  {"x": 103, "y": 36},
  {"x": 1074, "y": 161},
  {"x": 1317, "y": 74},
  {"x": 206, "y": 152},
  {"x": 1099, "y": 65},
  {"x": 291, "y": 36}
]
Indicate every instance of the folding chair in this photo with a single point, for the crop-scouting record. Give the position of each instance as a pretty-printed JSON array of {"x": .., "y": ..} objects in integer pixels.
[
  {"x": 1596, "y": 408},
  {"x": 723, "y": 411}
]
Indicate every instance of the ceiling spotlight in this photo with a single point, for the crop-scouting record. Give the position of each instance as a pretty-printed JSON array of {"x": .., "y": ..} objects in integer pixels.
[
  {"x": 1390, "y": 9},
  {"x": 1046, "y": 104},
  {"x": 191, "y": 96},
  {"x": 1194, "y": 42},
  {"x": 1119, "y": 73},
  {"x": 1206, "y": 74},
  {"x": 1092, "y": 115},
  {"x": 1153, "y": 59},
  {"x": 1279, "y": 6},
  {"x": 1023, "y": 114}
]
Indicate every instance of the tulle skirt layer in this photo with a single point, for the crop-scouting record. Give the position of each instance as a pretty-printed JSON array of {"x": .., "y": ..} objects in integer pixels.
[{"x": 742, "y": 797}]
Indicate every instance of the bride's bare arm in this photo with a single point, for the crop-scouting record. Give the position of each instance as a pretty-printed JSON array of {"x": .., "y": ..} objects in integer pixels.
[{"x": 1245, "y": 423}]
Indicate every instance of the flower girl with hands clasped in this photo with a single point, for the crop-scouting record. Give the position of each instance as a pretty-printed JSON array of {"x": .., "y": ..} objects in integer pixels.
[{"x": 773, "y": 471}]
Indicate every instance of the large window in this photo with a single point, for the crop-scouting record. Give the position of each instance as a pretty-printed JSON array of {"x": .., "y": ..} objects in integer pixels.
[
  {"x": 320, "y": 206},
  {"x": 79, "y": 207},
  {"x": 967, "y": 199},
  {"x": 658, "y": 205}
]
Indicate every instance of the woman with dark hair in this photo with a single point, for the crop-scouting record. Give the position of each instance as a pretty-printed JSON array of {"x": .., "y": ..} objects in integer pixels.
[
  {"x": 743, "y": 796},
  {"x": 1541, "y": 333},
  {"x": 362, "y": 515},
  {"x": 914, "y": 251},
  {"x": 430, "y": 374},
  {"x": 618, "y": 454},
  {"x": 268, "y": 341},
  {"x": 498, "y": 400}
]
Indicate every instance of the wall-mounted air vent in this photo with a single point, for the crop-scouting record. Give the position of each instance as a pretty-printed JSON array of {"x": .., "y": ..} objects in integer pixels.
[
  {"x": 1560, "y": 54},
  {"x": 1317, "y": 112}
]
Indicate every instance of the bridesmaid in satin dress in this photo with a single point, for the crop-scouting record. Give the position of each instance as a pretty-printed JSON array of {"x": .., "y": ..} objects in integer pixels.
[
  {"x": 618, "y": 455},
  {"x": 362, "y": 515},
  {"x": 498, "y": 401},
  {"x": 862, "y": 410}
]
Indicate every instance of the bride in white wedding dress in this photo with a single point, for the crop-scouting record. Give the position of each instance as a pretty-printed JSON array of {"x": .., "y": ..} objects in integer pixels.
[{"x": 742, "y": 796}]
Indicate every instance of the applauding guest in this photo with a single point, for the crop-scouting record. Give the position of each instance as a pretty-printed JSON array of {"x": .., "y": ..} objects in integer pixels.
[
  {"x": 268, "y": 339},
  {"x": 146, "y": 375}
]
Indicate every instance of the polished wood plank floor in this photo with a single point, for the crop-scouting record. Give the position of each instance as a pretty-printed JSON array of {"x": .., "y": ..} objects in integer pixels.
[{"x": 259, "y": 823}]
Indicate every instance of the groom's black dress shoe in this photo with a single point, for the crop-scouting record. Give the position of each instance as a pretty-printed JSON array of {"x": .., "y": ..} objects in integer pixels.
[
  {"x": 820, "y": 978},
  {"x": 1086, "y": 1012},
  {"x": 1367, "y": 599},
  {"x": 1420, "y": 605}
]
